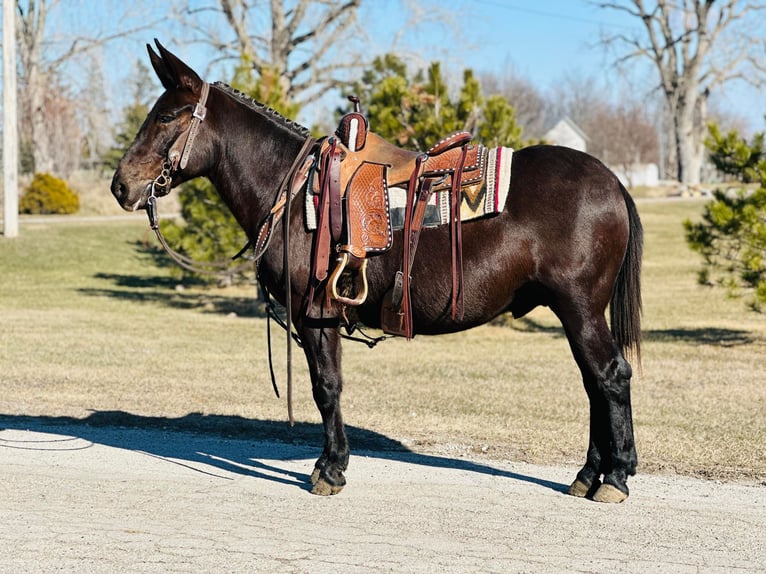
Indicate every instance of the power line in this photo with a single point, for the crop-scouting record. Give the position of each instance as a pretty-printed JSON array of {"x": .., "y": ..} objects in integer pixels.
[{"x": 558, "y": 15}]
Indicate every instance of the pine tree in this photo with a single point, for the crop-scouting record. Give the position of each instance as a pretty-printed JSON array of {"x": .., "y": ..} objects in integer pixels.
[
  {"x": 732, "y": 155},
  {"x": 732, "y": 234},
  {"x": 207, "y": 231},
  {"x": 416, "y": 111}
]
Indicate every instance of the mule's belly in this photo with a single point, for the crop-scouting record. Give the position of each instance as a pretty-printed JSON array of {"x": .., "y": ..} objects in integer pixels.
[{"x": 493, "y": 268}]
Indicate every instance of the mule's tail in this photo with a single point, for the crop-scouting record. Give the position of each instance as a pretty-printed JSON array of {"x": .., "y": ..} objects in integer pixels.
[{"x": 625, "y": 307}]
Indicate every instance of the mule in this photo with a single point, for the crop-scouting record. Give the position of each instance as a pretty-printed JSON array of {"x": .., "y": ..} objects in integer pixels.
[{"x": 569, "y": 238}]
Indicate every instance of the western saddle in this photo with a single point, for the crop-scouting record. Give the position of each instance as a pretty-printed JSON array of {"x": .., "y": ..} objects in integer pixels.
[{"x": 355, "y": 170}]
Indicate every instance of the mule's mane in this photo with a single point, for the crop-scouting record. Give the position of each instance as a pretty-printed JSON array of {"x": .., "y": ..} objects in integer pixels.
[{"x": 263, "y": 109}]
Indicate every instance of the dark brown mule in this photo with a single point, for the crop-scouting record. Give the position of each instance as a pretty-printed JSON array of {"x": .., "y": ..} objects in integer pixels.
[{"x": 568, "y": 238}]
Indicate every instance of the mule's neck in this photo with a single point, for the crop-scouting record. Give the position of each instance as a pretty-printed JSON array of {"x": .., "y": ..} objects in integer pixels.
[{"x": 253, "y": 152}]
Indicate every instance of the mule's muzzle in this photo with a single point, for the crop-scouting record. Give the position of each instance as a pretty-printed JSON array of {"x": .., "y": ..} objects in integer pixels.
[
  {"x": 120, "y": 190},
  {"x": 128, "y": 200}
]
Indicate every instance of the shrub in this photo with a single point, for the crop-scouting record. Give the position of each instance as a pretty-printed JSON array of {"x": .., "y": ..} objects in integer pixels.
[{"x": 48, "y": 195}]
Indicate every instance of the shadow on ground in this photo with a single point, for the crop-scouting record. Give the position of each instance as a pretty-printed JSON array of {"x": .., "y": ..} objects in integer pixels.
[
  {"x": 712, "y": 336},
  {"x": 164, "y": 291},
  {"x": 193, "y": 439},
  {"x": 161, "y": 290}
]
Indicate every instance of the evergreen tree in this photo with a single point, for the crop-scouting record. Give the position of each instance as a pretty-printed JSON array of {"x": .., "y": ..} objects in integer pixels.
[
  {"x": 732, "y": 234},
  {"x": 207, "y": 231},
  {"x": 267, "y": 88},
  {"x": 499, "y": 126},
  {"x": 416, "y": 112},
  {"x": 732, "y": 155}
]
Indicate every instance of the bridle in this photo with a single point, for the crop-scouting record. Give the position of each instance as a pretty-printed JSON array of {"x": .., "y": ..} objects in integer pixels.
[
  {"x": 179, "y": 152},
  {"x": 178, "y": 158}
]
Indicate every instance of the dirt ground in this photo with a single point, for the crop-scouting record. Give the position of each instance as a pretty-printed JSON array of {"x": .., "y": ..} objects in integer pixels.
[{"x": 82, "y": 498}]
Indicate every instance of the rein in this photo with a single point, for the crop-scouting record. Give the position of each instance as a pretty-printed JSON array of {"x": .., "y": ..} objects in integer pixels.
[
  {"x": 294, "y": 179},
  {"x": 290, "y": 184},
  {"x": 221, "y": 268}
]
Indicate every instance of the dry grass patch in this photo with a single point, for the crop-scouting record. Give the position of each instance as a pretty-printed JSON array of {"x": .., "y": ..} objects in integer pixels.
[{"x": 90, "y": 326}]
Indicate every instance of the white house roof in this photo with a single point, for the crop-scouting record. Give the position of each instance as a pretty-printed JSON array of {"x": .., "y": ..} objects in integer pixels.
[{"x": 567, "y": 133}]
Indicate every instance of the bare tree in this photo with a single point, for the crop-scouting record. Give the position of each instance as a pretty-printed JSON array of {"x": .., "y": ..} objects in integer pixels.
[
  {"x": 41, "y": 60},
  {"x": 697, "y": 46},
  {"x": 304, "y": 43},
  {"x": 95, "y": 120},
  {"x": 621, "y": 131},
  {"x": 623, "y": 136},
  {"x": 533, "y": 109},
  {"x": 63, "y": 133},
  {"x": 30, "y": 26},
  {"x": 578, "y": 96}
]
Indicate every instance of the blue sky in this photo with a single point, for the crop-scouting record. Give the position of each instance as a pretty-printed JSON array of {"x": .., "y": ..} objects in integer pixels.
[
  {"x": 545, "y": 41},
  {"x": 540, "y": 40}
]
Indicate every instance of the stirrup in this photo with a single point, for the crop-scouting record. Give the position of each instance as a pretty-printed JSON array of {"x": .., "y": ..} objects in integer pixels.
[{"x": 361, "y": 287}]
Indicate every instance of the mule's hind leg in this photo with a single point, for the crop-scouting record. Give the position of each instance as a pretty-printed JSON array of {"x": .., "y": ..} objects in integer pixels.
[
  {"x": 606, "y": 376},
  {"x": 322, "y": 348}
]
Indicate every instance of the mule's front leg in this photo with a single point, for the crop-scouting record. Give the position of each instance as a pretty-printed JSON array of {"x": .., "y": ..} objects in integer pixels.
[{"x": 322, "y": 348}]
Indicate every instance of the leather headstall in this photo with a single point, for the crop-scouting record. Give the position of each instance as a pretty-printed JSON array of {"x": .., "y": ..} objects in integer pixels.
[{"x": 179, "y": 152}]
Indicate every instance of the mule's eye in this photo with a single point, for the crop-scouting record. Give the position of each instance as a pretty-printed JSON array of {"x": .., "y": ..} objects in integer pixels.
[{"x": 166, "y": 118}]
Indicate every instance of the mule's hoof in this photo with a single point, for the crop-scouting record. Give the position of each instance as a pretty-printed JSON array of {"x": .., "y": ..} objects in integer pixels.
[
  {"x": 579, "y": 489},
  {"x": 315, "y": 476},
  {"x": 324, "y": 488},
  {"x": 609, "y": 493}
]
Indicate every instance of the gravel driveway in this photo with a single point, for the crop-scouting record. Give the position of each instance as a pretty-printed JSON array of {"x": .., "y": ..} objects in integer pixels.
[{"x": 79, "y": 498}]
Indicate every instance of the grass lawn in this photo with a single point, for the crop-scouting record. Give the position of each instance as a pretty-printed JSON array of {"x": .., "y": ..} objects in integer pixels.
[{"x": 90, "y": 327}]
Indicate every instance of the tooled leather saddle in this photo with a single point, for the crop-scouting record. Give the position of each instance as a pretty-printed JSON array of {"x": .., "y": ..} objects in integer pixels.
[{"x": 355, "y": 170}]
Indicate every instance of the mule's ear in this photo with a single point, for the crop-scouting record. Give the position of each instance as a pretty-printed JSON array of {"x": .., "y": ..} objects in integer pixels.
[
  {"x": 167, "y": 80},
  {"x": 184, "y": 77}
]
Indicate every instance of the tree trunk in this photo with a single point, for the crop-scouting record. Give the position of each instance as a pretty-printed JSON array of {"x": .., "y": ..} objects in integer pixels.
[
  {"x": 689, "y": 162},
  {"x": 689, "y": 124},
  {"x": 29, "y": 34},
  {"x": 41, "y": 151},
  {"x": 686, "y": 43}
]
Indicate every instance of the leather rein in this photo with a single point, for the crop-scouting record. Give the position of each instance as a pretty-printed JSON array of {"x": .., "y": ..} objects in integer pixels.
[{"x": 290, "y": 184}]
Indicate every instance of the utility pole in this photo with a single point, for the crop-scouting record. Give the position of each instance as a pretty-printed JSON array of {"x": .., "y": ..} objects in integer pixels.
[{"x": 10, "y": 129}]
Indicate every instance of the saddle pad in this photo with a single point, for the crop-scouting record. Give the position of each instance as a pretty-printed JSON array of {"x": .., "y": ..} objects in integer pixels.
[{"x": 482, "y": 199}]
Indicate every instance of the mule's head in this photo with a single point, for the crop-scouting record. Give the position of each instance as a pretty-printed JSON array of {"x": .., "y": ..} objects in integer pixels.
[{"x": 168, "y": 121}]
